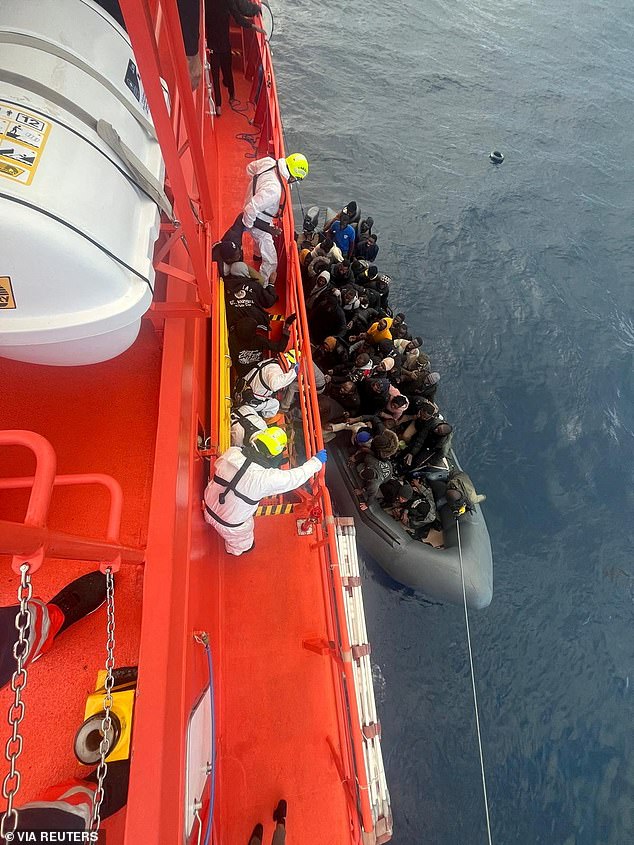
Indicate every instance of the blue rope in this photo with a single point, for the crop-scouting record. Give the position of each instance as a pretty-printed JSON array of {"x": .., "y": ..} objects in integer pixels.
[{"x": 212, "y": 795}]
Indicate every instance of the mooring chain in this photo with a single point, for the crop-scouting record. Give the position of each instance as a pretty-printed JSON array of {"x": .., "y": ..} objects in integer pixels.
[
  {"x": 106, "y": 724},
  {"x": 13, "y": 748}
]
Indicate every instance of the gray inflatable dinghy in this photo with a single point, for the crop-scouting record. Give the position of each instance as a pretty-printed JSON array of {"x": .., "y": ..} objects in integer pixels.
[{"x": 435, "y": 572}]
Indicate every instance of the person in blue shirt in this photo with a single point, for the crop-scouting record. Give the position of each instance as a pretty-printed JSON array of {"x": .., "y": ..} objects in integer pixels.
[{"x": 343, "y": 235}]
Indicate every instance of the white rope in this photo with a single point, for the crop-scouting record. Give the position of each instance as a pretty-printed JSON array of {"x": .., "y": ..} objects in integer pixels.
[{"x": 473, "y": 685}]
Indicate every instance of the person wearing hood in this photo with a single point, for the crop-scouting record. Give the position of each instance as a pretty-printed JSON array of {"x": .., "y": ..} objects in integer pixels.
[
  {"x": 429, "y": 386},
  {"x": 385, "y": 366},
  {"x": 365, "y": 229},
  {"x": 374, "y": 394},
  {"x": 396, "y": 495},
  {"x": 331, "y": 353},
  {"x": 265, "y": 201},
  {"x": 419, "y": 381},
  {"x": 321, "y": 286},
  {"x": 364, "y": 316},
  {"x": 421, "y": 513},
  {"x": 245, "y": 296},
  {"x": 375, "y": 467},
  {"x": 358, "y": 268},
  {"x": 350, "y": 303},
  {"x": 248, "y": 341},
  {"x": 244, "y": 476},
  {"x": 378, "y": 282}
]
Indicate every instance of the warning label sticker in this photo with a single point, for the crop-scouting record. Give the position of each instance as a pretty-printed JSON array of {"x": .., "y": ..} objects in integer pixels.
[
  {"x": 22, "y": 140},
  {"x": 7, "y": 299}
]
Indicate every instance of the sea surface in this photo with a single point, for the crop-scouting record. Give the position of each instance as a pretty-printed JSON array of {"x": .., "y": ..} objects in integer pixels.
[{"x": 520, "y": 280}]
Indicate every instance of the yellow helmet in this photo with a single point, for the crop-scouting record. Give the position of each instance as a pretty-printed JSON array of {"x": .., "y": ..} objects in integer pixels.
[
  {"x": 287, "y": 360},
  {"x": 297, "y": 165},
  {"x": 271, "y": 442}
]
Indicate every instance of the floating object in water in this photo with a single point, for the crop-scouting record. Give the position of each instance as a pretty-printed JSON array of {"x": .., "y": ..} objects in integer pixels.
[{"x": 496, "y": 157}]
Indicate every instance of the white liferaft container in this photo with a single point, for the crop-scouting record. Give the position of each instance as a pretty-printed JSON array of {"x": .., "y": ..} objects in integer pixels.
[{"x": 76, "y": 231}]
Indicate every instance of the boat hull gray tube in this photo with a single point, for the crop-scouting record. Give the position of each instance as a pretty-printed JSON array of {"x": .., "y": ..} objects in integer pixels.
[{"x": 436, "y": 572}]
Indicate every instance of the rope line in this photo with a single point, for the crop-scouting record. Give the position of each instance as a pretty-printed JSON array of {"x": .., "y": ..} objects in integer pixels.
[{"x": 473, "y": 686}]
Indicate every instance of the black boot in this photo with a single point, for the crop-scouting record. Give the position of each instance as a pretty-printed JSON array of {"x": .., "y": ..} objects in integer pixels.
[
  {"x": 256, "y": 836},
  {"x": 279, "y": 815},
  {"x": 80, "y": 598}
]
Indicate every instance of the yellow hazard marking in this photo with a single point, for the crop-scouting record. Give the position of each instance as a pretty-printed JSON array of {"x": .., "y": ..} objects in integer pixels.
[
  {"x": 274, "y": 510},
  {"x": 277, "y": 317},
  {"x": 23, "y": 137},
  {"x": 7, "y": 299}
]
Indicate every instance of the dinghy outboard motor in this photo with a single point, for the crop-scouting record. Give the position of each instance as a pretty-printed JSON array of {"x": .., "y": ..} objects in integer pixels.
[{"x": 310, "y": 219}]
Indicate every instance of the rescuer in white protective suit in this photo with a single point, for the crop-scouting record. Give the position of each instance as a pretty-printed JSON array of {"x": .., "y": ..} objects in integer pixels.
[
  {"x": 257, "y": 387},
  {"x": 265, "y": 201},
  {"x": 244, "y": 476},
  {"x": 246, "y": 421}
]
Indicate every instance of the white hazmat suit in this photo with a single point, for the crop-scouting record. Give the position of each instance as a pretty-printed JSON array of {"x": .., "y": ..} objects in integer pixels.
[
  {"x": 233, "y": 517},
  {"x": 246, "y": 421},
  {"x": 263, "y": 203},
  {"x": 265, "y": 379}
]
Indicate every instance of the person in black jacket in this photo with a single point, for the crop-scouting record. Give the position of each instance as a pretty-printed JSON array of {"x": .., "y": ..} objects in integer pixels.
[
  {"x": 374, "y": 394},
  {"x": 248, "y": 342},
  {"x": 326, "y": 319},
  {"x": 432, "y": 441},
  {"x": 367, "y": 249},
  {"x": 247, "y": 297},
  {"x": 341, "y": 274},
  {"x": 218, "y": 14}
]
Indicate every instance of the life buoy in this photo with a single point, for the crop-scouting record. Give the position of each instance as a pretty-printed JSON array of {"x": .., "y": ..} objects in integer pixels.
[{"x": 496, "y": 157}]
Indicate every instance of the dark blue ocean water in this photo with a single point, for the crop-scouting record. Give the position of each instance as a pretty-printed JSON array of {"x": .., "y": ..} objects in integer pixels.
[{"x": 519, "y": 278}]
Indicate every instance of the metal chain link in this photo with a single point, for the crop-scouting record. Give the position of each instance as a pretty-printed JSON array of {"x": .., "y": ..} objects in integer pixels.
[
  {"x": 13, "y": 748},
  {"x": 106, "y": 724}
]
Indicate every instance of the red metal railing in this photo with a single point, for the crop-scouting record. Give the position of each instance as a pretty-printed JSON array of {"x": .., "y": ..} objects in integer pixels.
[
  {"x": 267, "y": 116},
  {"x": 186, "y": 117},
  {"x": 31, "y": 540}
]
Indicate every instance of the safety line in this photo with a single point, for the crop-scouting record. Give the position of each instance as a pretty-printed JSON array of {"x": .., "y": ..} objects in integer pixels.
[
  {"x": 77, "y": 231},
  {"x": 55, "y": 119},
  {"x": 473, "y": 685}
]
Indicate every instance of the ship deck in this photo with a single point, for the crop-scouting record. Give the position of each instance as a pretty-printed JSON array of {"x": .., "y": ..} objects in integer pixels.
[{"x": 278, "y": 704}]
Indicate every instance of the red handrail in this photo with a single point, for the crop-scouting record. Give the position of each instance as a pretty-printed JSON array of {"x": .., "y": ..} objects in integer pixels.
[
  {"x": 145, "y": 43},
  {"x": 31, "y": 539},
  {"x": 326, "y": 542}
]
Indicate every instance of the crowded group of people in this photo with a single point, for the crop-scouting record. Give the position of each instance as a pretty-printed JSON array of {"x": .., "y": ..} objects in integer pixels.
[
  {"x": 376, "y": 383},
  {"x": 380, "y": 386}
]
